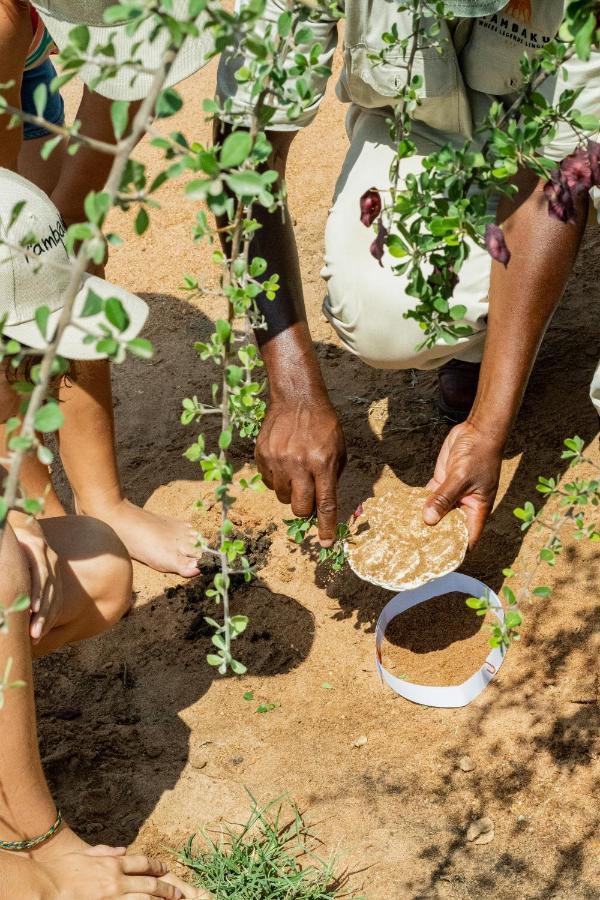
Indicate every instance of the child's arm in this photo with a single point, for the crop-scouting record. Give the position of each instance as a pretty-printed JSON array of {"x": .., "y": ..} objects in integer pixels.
[
  {"x": 43, "y": 563},
  {"x": 15, "y": 38}
]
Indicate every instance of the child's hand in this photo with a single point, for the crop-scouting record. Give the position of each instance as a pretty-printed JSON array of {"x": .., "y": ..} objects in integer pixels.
[{"x": 45, "y": 584}]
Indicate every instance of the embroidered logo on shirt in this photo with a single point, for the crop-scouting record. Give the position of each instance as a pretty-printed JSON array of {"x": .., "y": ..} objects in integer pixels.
[
  {"x": 519, "y": 10},
  {"x": 512, "y": 22}
]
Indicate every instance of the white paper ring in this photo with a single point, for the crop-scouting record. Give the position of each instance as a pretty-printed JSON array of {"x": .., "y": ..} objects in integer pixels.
[{"x": 455, "y": 695}]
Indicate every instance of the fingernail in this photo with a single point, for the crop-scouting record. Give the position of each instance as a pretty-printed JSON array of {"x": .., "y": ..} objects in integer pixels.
[
  {"x": 430, "y": 517},
  {"x": 36, "y": 631}
]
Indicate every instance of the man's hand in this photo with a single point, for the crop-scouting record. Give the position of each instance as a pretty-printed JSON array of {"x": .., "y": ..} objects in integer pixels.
[
  {"x": 466, "y": 475},
  {"x": 300, "y": 454},
  {"x": 45, "y": 585}
]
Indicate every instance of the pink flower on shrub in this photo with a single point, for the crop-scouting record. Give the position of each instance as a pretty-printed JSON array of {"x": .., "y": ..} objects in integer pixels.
[
  {"x": 594, "y": 157},
  {"x": 496, "y": 244},
  {"x": 358, "y": 512},
  {"x": 370, "y": 207},
  {"x": 578, "y": 172},
  {"x": 378, "y": 245},
  {"x": 561, "y": 205}
]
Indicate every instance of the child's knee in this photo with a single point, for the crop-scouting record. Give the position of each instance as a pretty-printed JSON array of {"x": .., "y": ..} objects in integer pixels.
[{"x": 113, "y": 573}]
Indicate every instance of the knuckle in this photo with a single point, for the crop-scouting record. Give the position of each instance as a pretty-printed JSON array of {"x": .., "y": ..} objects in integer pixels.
[
  {"x": 442, "y": 502},
  {"x": 327, "y": 505}
]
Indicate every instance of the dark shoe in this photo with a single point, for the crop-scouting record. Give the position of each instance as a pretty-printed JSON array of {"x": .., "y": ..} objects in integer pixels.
[{"x": 458, "y": 386}]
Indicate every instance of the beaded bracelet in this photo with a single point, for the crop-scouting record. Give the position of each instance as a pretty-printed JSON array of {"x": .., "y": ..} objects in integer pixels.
[{"x": 34, "y": 842}]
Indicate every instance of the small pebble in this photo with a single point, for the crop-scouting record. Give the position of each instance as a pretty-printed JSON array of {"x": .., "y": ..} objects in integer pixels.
[
  {"x": 466, "y": 764},
  {"x": 360, "y": 741},
  {"x": 481, "y": 831}
]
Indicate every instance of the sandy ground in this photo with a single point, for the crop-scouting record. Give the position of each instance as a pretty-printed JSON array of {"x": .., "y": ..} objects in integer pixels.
[{"x": 143, "y": 744}]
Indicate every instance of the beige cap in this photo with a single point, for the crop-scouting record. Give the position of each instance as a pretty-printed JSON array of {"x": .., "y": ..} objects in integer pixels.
[
  {"x": 61, "y": 16},
  {"x": 28, "y": 283}
]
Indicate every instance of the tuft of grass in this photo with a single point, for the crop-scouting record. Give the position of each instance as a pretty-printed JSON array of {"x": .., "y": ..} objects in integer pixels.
[{"x": 271, "y": 857}]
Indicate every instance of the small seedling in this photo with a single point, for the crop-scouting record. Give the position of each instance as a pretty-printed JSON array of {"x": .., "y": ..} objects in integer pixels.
[
  {"x": 336, "y": 556},
  {"x": 267, "y": 707},
  {"x": 249, "y": 695}
]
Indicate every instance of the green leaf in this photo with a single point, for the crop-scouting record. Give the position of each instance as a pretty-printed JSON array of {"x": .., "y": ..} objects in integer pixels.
[
  {"x": 80, "y": 37},
  {"x": 142, "y": 221},
  {"x": 396, "y": 246},
  {"x": 169, "y": 102},
  {"x": 141, "y": 347},
  {"x": 258, "y": 267},
  {"x": 245, "y": 184},
  {"x": 107, "y": 346},
  {"x": 45, "y": 455},
  {"x": 239, "y": 623},
  {"x": 21, "y": 604},
  {"x": 541, "y": 592},
  {"x": 92, "y": 306},
  {"x": 509, "y": 595},
  {"x": 458, "y": 312},
  {"x": 40, "y": 98},
  {"x": 119, "y": 113},
  {"x": 3, "y": 509},
  {"x": 249, "y": 695},
  {"x": 49, "y": 146},
  {"x": 16, "y": 212},
  {"x": 236, "y": 149},
  {"x": 213, "y": 660},
  {"x": 225, "y": 439},
  {"x": 116, "y": 313},
  {"x": 513, "y": 619},
  {"x": 284, "y": 24},
  {"x": 477, "y": 603},
  {"x": 587, "y": 122},
  {"x": 42, "y": 315},
  {"x": 48, "y": 418},
  {"x": 223, "y": 329},
  {"x": 237, "y": 667}
]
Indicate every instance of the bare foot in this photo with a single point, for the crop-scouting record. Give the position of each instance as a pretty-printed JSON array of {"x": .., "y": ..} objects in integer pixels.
[
  {"x": 68, "y": 868},
  {"x": 164, "y": 544}
]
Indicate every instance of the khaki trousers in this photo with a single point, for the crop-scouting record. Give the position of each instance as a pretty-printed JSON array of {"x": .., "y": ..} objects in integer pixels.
[{"x": 366, "y": 303}]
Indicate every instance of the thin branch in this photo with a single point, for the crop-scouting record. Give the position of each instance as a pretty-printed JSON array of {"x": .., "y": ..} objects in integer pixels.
[{"x": 67, "y": 133}]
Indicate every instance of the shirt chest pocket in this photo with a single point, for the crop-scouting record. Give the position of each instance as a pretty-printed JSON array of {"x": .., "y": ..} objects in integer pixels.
[
  {"x": 372, "y": 79},
  {"x": 490, "y": 62}
]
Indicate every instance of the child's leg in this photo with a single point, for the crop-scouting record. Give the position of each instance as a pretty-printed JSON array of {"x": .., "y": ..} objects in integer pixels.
[
  {"x": 26, "y": 806},
  {"x": 87, "y": 447},
  {"x": 95, "y": 591},
  {"x": 96, "y": 579},
  {"x": 43, "y": 172},
  {"x": 95, "y": 575}
]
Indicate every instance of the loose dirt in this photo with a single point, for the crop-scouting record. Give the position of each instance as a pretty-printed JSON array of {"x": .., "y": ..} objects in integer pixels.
[{"x": 145, "y": 744}]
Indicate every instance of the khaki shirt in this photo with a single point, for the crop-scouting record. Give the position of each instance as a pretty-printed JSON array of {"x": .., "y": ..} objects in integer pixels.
[{"x": 479, "y": 64}]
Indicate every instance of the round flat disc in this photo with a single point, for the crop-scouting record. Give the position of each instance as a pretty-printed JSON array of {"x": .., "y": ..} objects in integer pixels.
[{"x": 392, "y": 547}]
